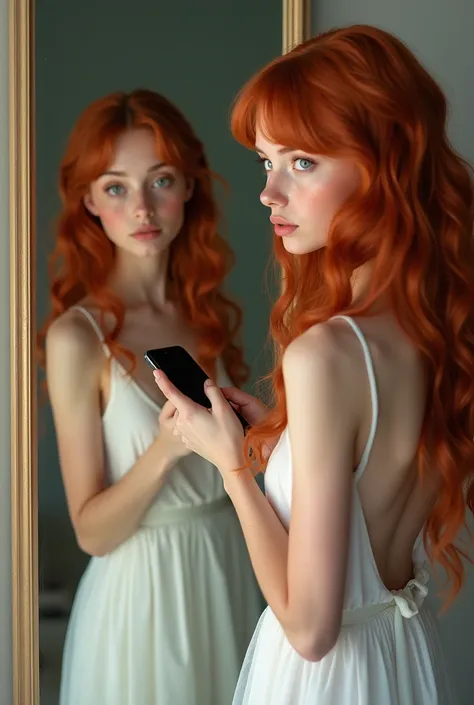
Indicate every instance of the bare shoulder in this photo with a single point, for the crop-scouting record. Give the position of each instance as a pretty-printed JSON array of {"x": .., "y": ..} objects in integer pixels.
[
  {"x": 71, "y": 344},
  {"x": 72, "y": 332},
  {"x": 324, "y": 348}
]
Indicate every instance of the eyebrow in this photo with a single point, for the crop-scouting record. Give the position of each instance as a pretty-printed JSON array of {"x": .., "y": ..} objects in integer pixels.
[
  {"x": 282, "y": 150},
  {"x": 111, "y": 172}
]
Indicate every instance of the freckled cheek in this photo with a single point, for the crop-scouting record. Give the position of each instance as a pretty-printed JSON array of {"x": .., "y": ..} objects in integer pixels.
[
  {"x": 112, "y": 216},
  {"x": 171, "y": 208}
]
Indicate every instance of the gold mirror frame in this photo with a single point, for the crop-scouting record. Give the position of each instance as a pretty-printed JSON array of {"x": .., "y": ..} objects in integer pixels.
[{"x": 24, "y": 504}]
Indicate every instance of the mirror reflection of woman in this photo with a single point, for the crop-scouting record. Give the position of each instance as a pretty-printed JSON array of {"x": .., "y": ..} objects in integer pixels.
[
  {"x": 373, "y": 425},
  {"x": 168, "y": 603}
]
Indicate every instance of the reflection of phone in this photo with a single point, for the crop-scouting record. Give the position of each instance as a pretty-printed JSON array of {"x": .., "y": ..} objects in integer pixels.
[{"x": 185, "y": 373}]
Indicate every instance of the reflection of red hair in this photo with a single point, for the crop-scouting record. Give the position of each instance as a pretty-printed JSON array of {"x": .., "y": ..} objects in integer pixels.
[
  {"x": 199, "y": 258},
  {"x": 360, "y": 93}
]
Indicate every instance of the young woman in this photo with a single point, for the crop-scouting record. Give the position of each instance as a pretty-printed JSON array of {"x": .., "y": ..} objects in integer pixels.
[
  {"x": 168, "y": 603},
  {"x": 374, "y": 381}
]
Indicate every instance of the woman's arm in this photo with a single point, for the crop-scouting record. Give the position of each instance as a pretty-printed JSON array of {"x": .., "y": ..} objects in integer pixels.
[
  {"x": 103, "y": 517},
  {"x": 302, "y": 574}
]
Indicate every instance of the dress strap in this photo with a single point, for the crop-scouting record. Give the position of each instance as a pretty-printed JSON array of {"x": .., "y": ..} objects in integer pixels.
[
  {"x": 97, "y": 329},
  {"x": 373, "y": 394}
]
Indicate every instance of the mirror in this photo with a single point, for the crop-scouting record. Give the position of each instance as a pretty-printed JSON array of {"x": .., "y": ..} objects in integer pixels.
[{"x": 164, "y": 612}]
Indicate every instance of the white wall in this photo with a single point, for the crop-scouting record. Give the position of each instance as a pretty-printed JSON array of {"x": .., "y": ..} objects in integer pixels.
[
  {"x": 5, "y": 571},
  {"x": 440, "y": 34}
]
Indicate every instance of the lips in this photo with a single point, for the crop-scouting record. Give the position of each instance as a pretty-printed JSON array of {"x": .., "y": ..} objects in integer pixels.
[
  {"x": 281, "y": 226},
  {"x": 284, "y": 230},
  {"x": 149, "y": 232},
  {"x": 278, "y": 220}
]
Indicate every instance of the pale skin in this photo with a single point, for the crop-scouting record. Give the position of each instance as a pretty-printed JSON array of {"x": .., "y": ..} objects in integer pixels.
[
  {"x": 141, "y": 191},
  {"x": 302, "y": 571}
]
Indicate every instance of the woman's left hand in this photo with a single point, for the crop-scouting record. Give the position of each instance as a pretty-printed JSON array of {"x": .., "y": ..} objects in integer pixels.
[{"x": 215, "y": 434}]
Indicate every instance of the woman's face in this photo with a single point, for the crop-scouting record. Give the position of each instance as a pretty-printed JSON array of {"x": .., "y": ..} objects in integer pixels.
[
  {"x": 139, "y": 199},
  {"x": 304, "y": 192}
]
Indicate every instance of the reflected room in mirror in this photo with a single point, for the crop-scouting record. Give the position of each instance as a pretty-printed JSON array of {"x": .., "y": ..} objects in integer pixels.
[{"x": 146, "y": 592}]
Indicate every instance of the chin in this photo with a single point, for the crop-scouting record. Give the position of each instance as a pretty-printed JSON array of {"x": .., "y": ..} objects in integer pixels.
[
  {"x": 299, "y": 246},
  {"x": 155, "y": 254},
  {"x": 153, "y": 248}
]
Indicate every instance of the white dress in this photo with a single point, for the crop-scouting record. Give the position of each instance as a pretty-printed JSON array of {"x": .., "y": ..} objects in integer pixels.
[
  {"x": 165, "y": 618},
  {"x": 387, "y": 652}
]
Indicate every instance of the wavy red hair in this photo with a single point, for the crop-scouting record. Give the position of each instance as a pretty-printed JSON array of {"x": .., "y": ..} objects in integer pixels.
[
  {"x": 200, "y": 259},
  {"x": 360, "y": 93}
]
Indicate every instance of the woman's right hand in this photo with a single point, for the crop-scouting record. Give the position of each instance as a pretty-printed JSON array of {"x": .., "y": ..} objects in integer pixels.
[
  {"x": 252, "y": 409},
  {"x": 171, "y": 443}
]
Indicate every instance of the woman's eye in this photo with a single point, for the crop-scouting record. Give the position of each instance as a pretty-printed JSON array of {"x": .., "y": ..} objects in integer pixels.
[
  {"x": 162, "y": 182},
  {"x": 267, "y": 165},
  {"x": 115, "y": 190},
  {"x": 303, "y": 164}
]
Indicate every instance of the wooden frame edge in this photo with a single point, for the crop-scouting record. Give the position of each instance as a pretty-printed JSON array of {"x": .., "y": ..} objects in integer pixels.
[
  {"x": 25, "y": 652},
  {"x": 296, "y": 23}
]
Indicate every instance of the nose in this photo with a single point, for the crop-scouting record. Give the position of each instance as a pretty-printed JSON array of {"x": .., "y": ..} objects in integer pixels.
[
  {"x": 142, "y": 207},
  {"x": 273, "y": 194}
]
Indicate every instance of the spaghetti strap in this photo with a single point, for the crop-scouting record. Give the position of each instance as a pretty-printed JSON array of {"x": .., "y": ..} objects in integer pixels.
[
  {"x": 87, "y": 314},
  {"x": 373, "y": 394}
]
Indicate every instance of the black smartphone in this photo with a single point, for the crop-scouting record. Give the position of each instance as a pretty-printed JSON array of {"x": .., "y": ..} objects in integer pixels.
[{"x": 185, "y": 373}]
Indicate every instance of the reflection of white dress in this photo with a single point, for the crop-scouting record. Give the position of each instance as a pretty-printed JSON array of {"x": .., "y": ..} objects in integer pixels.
[
  {"x": 165, "y": 618},
  {"x": 387, "y": 652}
]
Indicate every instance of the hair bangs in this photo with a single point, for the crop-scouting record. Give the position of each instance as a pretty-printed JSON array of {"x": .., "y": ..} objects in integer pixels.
[{"x": 287, "y": 105}]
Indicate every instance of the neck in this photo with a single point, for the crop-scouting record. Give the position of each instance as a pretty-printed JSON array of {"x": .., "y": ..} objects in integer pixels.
[
  {"x": 141, "y": 281},
  {"x": 361, "y": 282}
]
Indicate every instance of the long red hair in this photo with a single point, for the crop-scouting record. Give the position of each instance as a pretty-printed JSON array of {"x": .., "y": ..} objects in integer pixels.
[
  {"x": 360, "y": 93},
  {"x": 200, "y": 259}
]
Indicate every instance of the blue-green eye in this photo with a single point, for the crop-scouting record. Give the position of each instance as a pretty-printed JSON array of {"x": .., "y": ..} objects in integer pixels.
[
  {"x": 305, "y": 164},
  {"x": 115, "y": 190},
  {"x": 162, "y": 182},
  {"x": 267, "y": 165}
]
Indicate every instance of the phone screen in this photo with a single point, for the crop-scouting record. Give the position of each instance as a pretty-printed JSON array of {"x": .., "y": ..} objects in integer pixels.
[
  {"x": 185, "y": 373},
  {"x": 182, "y": 370}
]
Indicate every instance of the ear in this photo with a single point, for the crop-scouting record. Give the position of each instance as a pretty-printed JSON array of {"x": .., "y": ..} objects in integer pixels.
[
  {"x": 189, "y": 188},
  {"x": 90, "y": 205}
]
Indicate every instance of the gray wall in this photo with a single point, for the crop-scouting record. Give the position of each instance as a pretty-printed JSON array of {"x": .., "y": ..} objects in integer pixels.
[
  {"x": 198, "y": 54},
  {"x": 440, "y": 33},
  {"x": 5, "y": 531}
]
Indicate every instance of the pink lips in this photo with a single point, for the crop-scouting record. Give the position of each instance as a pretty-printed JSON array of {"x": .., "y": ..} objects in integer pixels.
[
  {"x": 281, "y": 226},
  {"x": 146, "y": 233}
]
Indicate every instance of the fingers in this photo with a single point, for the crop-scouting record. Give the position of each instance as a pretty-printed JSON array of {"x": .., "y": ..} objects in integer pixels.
[
  {"x": 237, "y": 396},
  {"x": 168, "y": 411},
  {"x": 214, "y": 394},
  {"x": 179, "y": 400}
]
